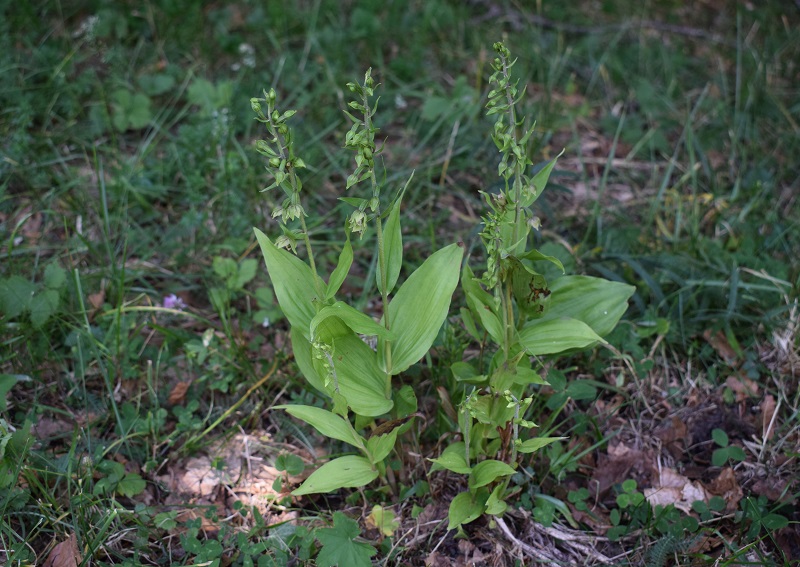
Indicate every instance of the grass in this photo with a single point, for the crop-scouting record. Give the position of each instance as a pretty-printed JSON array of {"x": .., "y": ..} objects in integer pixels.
[{"x": 127, "y": 174}]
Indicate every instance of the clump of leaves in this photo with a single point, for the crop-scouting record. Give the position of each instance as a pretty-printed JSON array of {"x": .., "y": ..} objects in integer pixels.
[
  {"x": 19, "y": 296},
  {"x": 326, "y": 333},
  {"x": 524, "y": 316}
]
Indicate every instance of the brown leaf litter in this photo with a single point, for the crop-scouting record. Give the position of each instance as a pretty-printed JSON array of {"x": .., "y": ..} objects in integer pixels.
[
  {"x": 64, "y": 554},
  {"x": 238, "y": 469}
]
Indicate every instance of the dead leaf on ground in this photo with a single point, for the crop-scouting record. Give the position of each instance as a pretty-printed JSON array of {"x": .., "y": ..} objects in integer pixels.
[
  {"x": 673, "y": 488},
  {"x": 203, "y": 475},
  {"x": 768, "y": 406},
  {"x": 788, "y": 539},
  {"x": 772, "y": 487},
  {"x": 674, "y": 436},
  {"x": 613, "y": 468},
  {"x": 47, "y": 427},
  {"x": 742, "y": 386},
  {"x": 178, "y": 393},
  {"x": 64, "y": 554},
  {"x": 719, "y": 342},
  {"x": 727, "y": 487},
  {"x": 96, "y": 300},
  {"x": 436, "y": 559}
]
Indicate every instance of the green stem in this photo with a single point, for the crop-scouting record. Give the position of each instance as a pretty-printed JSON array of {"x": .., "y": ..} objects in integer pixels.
[
  {"x": 387, "y": 345},
  {"x": 512, "y": 116},
  {"x": 282, "y": 147}
]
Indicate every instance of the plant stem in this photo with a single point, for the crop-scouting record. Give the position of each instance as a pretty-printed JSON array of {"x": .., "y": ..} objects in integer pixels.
[
  {"x": 512, "y": 116},
  {"x": 387, "y": 345}
]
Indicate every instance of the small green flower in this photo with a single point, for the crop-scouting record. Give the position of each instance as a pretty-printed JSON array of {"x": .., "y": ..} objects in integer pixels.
[
  {"x": 357, "y": 222},
  {"x": 294, "y": 211}
]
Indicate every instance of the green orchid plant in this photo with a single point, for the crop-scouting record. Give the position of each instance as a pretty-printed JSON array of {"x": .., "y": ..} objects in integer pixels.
[
  {"x": 327, "y": 333},
  {"x": 523, "y": 315}
]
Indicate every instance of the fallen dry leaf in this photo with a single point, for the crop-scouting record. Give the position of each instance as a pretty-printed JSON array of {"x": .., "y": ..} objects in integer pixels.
[
  {"x": 742, "y": 386},
  {"x": 613, "y": 468},
  {"x": 720, "y": 343},
  {"x": 674, "y": 436},
  {"x": 773, "y": 487},
  {"x": 96, "y": 300},
  {"x": 436, "y": 559},
  {"x": 47, "y": 427},
  {"x": 768, "y": 417},
  {"x": 727, "y": 487},
  {"x": 203, "y": 475},
  {"x": 674, "y": 488},
  {"x": 64, "y": 554},
  {"x": 178, "y": 393}
]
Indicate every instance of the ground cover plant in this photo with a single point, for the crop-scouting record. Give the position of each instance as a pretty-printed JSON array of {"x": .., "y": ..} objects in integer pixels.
[{"x": 151, "y": 380}]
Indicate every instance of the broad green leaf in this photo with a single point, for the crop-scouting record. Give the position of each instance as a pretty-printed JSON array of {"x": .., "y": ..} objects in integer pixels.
[
  {"x": 530, "y": 288},
  {"x": 54, "y": 276},
  {"x": 360, "y": 380},
  {"x": 597, "y": 302},
  {"x": 405, "y": 401},
  {"x": 465, "y": 508},
  {"x": 16, "y": 294},
  {"x": 339, "y": 547},
  {"x": 551, "y": 336},
  {"x": 527, "y": 376},
  {"x": 539, "y": 182},
  {"x": 225, "y": 268},
  {"x": 380, "y": 446},
  {"x": 392, "y": 246},
  {"x": 488, "y": 318},
  {"x": 130, "y": 485},
  {"x": 465, "y": 372},
  {"x": 156, "y": 84},
  {"x": 356, "y": 320},
  {"x": 245, "y": 273},
  {"x": 503, "y": 378},
  {"x": 581, "y": 390},
  {"x": 453, "y": 459},
  {"x": 293, "y": 282},
  {"x": 139, "y": 113},
  {"x": 292, "y": 464},
  {"x": 774, "y": 522},
  {"x": 339, "y": 274},
  {"x": 327, "y": 423},
  {"x": 469, "y": 323},
  {"x": 43, "y": 305},
  {"x": 420, "y": 306},
  {"x": 495, "y": 505},
  {"x": 482, "y": 305},
  {"x": 345, "y": 472},
  {"x": 536, "y": 256},
  {"x": 488, "y": 471},
  {"x": 302, "y": 355},
  {"x": 533, "y": 445}
]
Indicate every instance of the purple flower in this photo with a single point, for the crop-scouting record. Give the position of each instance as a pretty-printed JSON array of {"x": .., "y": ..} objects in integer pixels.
[{"x": 172, "y": 301}]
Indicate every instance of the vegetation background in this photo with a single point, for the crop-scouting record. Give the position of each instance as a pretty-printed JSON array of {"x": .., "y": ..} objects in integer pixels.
[{"x": 142, "y": 348}]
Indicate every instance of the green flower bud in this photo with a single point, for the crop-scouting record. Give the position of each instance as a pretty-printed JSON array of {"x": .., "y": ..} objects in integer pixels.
[{"x": 255, "y": 105}]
